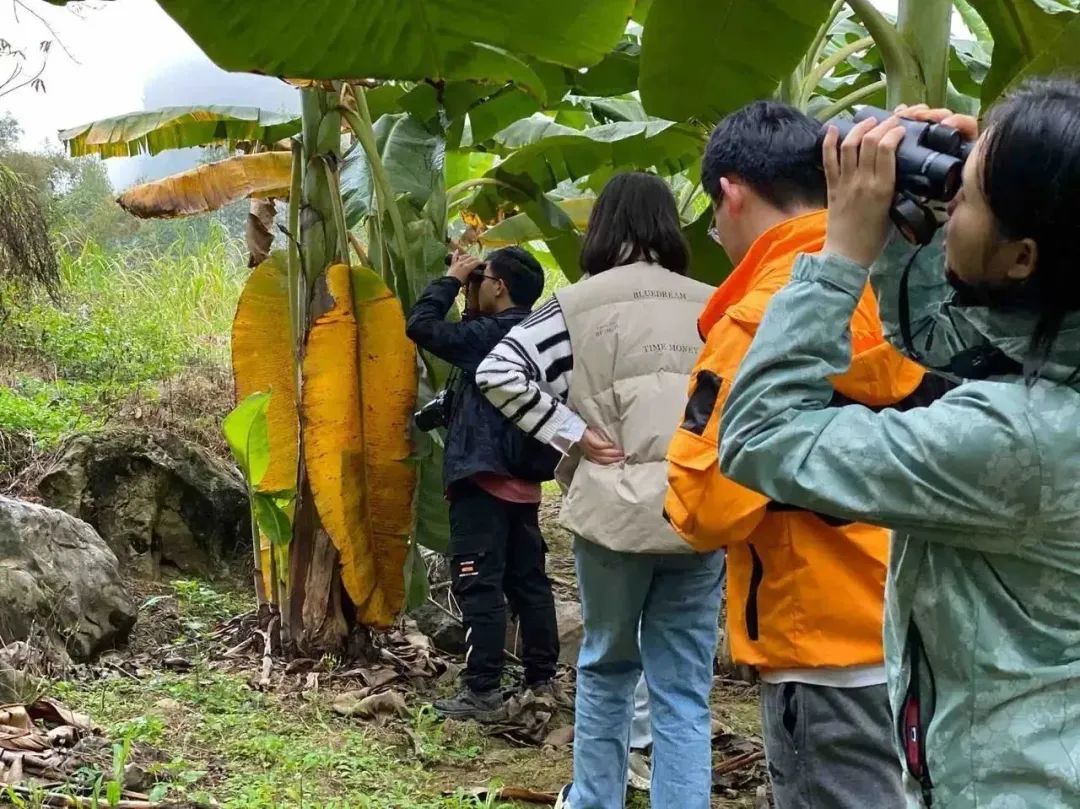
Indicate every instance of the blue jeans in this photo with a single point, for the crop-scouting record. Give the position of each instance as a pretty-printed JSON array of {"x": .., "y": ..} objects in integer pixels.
[{"x": 675, "y": 600}]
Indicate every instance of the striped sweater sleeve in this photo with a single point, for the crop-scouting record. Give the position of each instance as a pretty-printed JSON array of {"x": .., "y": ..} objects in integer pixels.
[{"x": 527, "y": 376}]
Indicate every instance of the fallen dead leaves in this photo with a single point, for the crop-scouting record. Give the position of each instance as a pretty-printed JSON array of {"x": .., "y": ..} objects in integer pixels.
[
  {"x": 43, "y": 746},
  {"x": 389, "y": 676}
]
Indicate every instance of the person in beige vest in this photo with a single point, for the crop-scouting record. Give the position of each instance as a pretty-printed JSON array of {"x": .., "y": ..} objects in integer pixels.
[{"x": 600, "y": 372}]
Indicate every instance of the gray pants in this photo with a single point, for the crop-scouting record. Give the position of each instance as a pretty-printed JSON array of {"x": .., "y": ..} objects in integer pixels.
[{"x": 831, "y": 748}]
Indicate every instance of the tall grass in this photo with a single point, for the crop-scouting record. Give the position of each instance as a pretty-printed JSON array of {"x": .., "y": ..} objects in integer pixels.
[
  {"x": 137, "y": 316},
  {"x": 122, "y": 321}
]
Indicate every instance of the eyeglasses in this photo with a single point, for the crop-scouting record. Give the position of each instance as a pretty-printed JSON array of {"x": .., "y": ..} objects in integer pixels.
[
  {"x": 477, "y": 278},
  {"x": 714, "y": 234}
]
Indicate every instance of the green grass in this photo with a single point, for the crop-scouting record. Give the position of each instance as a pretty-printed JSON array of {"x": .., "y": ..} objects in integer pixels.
[
  {"x": 247, "y": 748},
  {"x": 122, "y": 322},
  {"x": 207, "y": 734},
  {"x": 134, "y": 316}
]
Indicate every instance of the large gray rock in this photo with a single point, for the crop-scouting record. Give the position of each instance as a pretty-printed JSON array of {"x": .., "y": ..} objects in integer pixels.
[
  {"x": 571, "y": 632},
  {"x": 446, "y": 633},
  {"x": 60, "y": 585},
  {"x": 164, "y": 506}
]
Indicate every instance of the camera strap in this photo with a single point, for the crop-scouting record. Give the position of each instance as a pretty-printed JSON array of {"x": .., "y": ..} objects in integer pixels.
[{"x": 978, "y": 362}]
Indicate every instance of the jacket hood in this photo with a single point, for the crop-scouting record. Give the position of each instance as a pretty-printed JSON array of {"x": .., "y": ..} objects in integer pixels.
[{"x": 1010, "y": 332}]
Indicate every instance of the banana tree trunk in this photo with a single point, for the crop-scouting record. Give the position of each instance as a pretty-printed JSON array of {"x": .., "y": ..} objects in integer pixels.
[
  {"x": 925, "y": 31},
  {"x": 313, "y": 616}
]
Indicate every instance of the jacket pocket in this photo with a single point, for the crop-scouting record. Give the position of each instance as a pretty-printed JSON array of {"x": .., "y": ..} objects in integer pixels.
[
  {"x": 757, "y": 573},
  {"x": 702, "y": 403},
  {"x": 692, "y": 460}
]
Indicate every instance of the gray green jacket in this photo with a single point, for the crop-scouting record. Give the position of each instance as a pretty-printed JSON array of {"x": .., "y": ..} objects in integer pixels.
[{"x": 982, "y": 490}]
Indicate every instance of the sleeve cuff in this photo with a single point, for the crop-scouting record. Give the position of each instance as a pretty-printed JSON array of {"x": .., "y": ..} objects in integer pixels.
[
  {"x": 565, "y": 432},
  {"x": 836, "y": 271}
]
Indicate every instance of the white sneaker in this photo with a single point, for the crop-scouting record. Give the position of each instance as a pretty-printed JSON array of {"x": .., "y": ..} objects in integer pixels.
[
  {"x": 563, "y": 801},
  {"x": 639, "y": 775}
]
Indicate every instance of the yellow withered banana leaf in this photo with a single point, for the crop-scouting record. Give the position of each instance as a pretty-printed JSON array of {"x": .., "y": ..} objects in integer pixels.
[
  {"x": 359, "y": 393},
  {"x": 211, "y": 187},
  {"x": 262, "y": 359}
]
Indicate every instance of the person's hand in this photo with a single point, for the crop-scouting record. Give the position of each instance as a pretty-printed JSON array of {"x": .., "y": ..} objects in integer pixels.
[
  {"x": 862, "y": 185},
  {"x": 966, "y": 125},
  {"x": 463, "y": 266},
  {"x": 600, "y": 449}
]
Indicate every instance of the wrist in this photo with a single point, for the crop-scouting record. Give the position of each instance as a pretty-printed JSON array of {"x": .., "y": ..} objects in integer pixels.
[{"x": 856, "y": 255}]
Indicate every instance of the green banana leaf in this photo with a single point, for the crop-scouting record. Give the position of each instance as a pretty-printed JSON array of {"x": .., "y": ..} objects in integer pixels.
[
  {"x": 413, "y": 159},
  {"x": 154, "y": 131},
  {"x": 615, "y": 75},
  {"x": 1030, "y": 39},
  {"x": 391, "y": 39},
  {"x": 472, "y": 112},
  {"x": 520, "y": 228},
  {"x": 542, "y": 153},
  {"x": 703, "y": 60}
]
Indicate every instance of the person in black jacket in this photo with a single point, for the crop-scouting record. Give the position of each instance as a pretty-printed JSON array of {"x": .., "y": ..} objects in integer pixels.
[{"x": 496, "y": 548}]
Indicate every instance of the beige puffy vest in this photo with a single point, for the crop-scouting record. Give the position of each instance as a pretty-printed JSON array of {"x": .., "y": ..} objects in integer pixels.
[{"x": 633, "y": 331}]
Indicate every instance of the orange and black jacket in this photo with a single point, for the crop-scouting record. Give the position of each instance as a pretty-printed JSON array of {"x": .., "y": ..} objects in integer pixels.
[{"x": 804, "y": 590}]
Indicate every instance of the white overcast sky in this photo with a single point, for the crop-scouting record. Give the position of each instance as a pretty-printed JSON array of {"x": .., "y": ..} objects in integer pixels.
[{"x": 130, "y": 55}]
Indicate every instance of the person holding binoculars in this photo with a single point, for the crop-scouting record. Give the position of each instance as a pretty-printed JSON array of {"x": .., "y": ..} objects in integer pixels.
[
  {"x": 982, "y": 626},
  {"x": 492, "y": 472}
]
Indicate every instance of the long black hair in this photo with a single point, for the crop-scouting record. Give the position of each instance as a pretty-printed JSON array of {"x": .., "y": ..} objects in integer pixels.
[
  {"x": 635, "y": 219},
  {"x": 1031, "y": 179}
]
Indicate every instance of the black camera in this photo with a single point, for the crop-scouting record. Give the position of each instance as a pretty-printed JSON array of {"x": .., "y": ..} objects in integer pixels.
[
  {"x": 929, "y": 165},
  {"x": 434, "y": 414}
]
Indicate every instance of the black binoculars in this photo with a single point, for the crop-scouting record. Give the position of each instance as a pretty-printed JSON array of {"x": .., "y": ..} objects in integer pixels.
[{"x": 929, "y": 165}]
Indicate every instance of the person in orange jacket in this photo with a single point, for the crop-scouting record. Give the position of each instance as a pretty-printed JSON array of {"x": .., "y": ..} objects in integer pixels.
[{"x": 805, "y": 594}]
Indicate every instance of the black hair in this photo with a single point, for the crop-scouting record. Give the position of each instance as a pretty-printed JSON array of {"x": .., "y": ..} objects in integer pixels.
[
  {"x": 773, "y": 148},
  {"x": 520, "y": 271},
  {"x": 1031, "y": 179},
  {"x": 635, "y": 218}
]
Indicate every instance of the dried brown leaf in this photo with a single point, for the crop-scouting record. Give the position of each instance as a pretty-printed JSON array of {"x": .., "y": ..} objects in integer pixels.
[
  {"x": 21, "y": 739},
  {"x": 377, "y": 678},
  {"x": 15, "y": 716},
  {"x": 560, "y": 737},
  {"x": 348, "y": 702},
  {"x": 383, "y": 706},
  {"x": 53, "y": 713}
]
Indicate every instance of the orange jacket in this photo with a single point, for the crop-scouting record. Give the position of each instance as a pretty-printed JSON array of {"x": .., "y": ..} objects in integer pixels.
[{"x": 804, "y": 591}]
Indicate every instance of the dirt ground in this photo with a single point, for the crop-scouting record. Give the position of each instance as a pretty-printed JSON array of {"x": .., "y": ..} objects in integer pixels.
[{"x": 205, "y": 724}]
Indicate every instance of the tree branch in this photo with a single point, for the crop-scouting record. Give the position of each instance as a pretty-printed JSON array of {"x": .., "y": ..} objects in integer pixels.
[
  {"x": 5, "y": 90},
  {"x": 48, "y": 27}
]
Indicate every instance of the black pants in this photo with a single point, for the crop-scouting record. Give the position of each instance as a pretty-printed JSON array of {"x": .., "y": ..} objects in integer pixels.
[{"x": 496, "y": 549}]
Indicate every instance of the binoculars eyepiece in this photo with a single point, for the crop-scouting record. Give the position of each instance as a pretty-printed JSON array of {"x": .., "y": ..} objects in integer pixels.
[{"x": 929, "y": 166}]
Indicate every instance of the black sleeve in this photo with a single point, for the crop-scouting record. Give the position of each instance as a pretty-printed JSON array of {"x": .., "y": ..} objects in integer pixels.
[{"x": 463, "y": 345}]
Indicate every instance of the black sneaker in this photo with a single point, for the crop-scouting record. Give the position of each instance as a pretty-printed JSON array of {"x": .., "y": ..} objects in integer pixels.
[{"x": 469, "y": 704}]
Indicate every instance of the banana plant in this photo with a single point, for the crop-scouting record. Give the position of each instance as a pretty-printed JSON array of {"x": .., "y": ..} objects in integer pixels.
[{"x": 344, "y": 418}]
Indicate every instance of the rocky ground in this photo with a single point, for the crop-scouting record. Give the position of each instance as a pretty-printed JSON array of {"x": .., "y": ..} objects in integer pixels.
[{"x": 192, "y": 711}]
